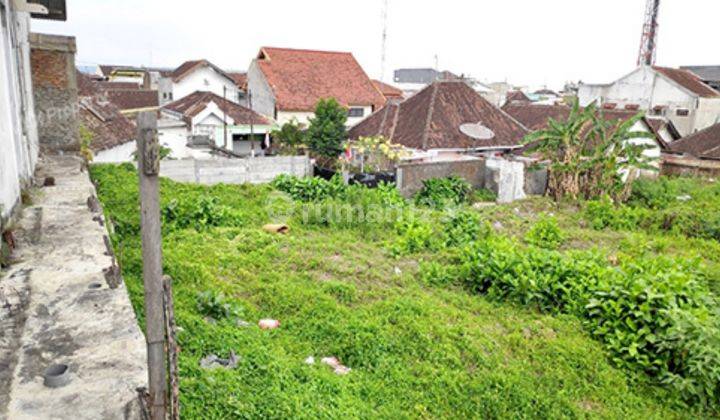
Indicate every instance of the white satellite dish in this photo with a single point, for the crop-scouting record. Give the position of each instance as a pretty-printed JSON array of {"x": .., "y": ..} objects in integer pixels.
[{"x": 477, "y": 131}]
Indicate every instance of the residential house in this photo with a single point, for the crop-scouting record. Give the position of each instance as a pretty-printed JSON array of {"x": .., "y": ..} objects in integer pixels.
[
  {"x": 144, "y": 77},
  {"x": 710, "y": 75},
  {"x": 391, "y": 93},
  {"x": 225, "y": 123},
  {"x": 705, "y": 144},
  {"x": 676, "y": 94},
  {"x": 286, "y": 84},
  {"x": 445, "y": 116},
  {"x": 517, "y": 96},
  {"x": 19, "y": 140},
  {"x": 198, "y": 76},
  {"x": 537, "y": 117},
  {"x": 546, "y": 96}
]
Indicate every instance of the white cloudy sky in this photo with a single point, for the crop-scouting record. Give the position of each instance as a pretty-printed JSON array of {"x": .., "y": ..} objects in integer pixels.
[{"x": 527, "y": 42}]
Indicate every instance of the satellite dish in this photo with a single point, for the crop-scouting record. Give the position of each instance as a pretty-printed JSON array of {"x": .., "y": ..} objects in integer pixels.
[{"x": 477, "y": 131}]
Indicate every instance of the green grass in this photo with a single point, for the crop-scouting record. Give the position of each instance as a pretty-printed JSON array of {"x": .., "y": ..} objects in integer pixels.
[{"x": 416, "y": 350}]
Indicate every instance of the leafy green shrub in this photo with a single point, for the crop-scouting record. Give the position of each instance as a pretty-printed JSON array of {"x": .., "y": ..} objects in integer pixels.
[
  {"x": 654, "y": 315},
  {"x": 463, "y": 227},
  {"x": 546, "y": 233},
  {"x": 415, "y": 235},
  {"x": 310, "y": 188},
  {"x": 216, "y": 306},
  {"x": 203, "y": 213},
  {"x": 441, "y": 192}
]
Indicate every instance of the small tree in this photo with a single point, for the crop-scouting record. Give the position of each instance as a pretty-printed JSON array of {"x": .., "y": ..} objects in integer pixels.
[
  {"x": 290, "y": 137},
  {"x": 327, "y": 132},
  {"x": 591, "y": 156}
]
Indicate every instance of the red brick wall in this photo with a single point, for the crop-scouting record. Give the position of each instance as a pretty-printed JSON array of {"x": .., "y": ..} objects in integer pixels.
[{"x": 49, "y": 68}]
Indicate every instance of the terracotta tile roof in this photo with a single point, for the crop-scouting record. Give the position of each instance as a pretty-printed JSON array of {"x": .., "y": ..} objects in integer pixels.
[
  {"x": 189, "y": 66},
  {"x": 703, "y": 144},
  {"x": 689, "y": 81},
  {"x": 431, "y": 119},
  {"x": 240, "y": 79},
  {"x": 389, "y": 92},
  {"x": 517, "y": 96},
  {"x": 117, "y": 85},
  {"x": 193, "y": 104},
  {"x": 299, "y": 78},
  {"x": 110, "y": 128},
  {"x": 133, "y": 99}
]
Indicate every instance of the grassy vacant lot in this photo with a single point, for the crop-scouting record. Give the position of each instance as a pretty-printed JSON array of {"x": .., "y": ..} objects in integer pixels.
[{"x": 389, "y": 303}]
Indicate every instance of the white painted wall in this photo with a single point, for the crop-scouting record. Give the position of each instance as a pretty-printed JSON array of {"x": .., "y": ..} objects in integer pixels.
[
  {"x": 18, "y": 129},
  {"x": 650, "y": 89},
  {"x": 204, "y": 79},
  {"x": 118, "y": 154},
  {"x": 304, "y": 117}
]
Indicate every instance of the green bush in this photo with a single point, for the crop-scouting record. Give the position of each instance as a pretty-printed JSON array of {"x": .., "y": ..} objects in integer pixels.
[
  {"x": 653, "y": 315},
  {"x": 463, "y": 227},
  {"x": 216, "y": 306},
  {"x": 310, "y": 188},
  {"x": 546, "y": 233},
  {"x": 441, "y": 192}
]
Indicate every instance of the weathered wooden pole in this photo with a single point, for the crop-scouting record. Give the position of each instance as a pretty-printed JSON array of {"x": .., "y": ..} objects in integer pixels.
[{"x": 148, "y": 170}]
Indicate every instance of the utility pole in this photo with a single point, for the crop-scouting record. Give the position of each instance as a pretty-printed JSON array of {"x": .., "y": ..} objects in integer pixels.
[
  {"x": 252, "y": 126},
  {"x": 148, "y": 170},
  {"x": 384, "y": 40},
  {"x": 648, "y": 42},
  {"x": 225, "y": 140}
]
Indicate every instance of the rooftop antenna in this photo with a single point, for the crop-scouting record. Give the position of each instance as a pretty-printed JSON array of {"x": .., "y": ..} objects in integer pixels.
[
  {"x": 648, "y": 43},
  {"x": 384, "y": 40}
]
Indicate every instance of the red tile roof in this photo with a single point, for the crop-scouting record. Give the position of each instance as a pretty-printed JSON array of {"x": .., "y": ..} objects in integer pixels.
[
  {"x": 689, "y": 81},
  {"x": 703, "y": 144},
  {"x": 389, "y": 92},
  {"x": 109, "y": 127},
  {"x": 189, "y": 66},
  {"x": 431, "y": 119},
  {"x": 133, "y": 99},
  {"x": 300, "y": 78},
  {"x": 517, "y": 96},
  {"x": 193, "y": 104},
  {"x": 240, "y": 79}
]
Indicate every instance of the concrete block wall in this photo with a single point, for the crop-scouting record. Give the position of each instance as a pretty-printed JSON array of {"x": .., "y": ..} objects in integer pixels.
[
  {"x": 410, "y": 176},
  {"x": 56, "y": 94},
  {"x": 235, "y": 171}
]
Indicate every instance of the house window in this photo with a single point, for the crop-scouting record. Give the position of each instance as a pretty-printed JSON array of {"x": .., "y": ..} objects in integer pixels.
[
  {"x": 682, "y": 112},
  {"x": 170, "y": 96},
  {"x": 356, "y": 112}
]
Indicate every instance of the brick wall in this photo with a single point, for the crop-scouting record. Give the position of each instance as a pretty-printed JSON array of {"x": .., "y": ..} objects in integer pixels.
[{"x": 52, "y": 59}]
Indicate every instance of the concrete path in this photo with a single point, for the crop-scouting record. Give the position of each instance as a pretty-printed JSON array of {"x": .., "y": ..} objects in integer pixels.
[{"x": 56, "y": 307}]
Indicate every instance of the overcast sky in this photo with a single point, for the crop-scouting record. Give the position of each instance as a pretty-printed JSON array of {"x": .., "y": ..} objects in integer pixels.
[{"x": 526, "y": 42}]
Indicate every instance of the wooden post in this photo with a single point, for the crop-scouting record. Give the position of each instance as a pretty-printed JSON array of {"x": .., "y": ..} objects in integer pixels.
[{"x": 148, "y": 171}]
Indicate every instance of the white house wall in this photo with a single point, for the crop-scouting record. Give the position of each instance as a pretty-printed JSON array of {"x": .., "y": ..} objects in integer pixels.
[
  {"x": 263, "y": 99},
  {"x": 118, "y": 154},
  {"x": 205, "y": 79},
  {"x": 304, "y": 117},
  {"x": 18, "y": 130}
]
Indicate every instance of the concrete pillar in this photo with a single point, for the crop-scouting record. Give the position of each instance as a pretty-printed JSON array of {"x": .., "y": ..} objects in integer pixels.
[{"x": 52, "y": 59}]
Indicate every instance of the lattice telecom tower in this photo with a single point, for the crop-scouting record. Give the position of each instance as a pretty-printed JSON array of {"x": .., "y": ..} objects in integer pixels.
[{"x": 648, "y": 44}]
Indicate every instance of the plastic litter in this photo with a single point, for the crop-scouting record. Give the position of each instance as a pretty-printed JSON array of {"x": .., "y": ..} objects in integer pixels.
[
  {"x": 212, "y": 361},
  {"x": 268, "y": 324},
  {"x": 282, "y": 229},
  {"x": 310, "y": 360},
  {"x": 334, "y": 363}
]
